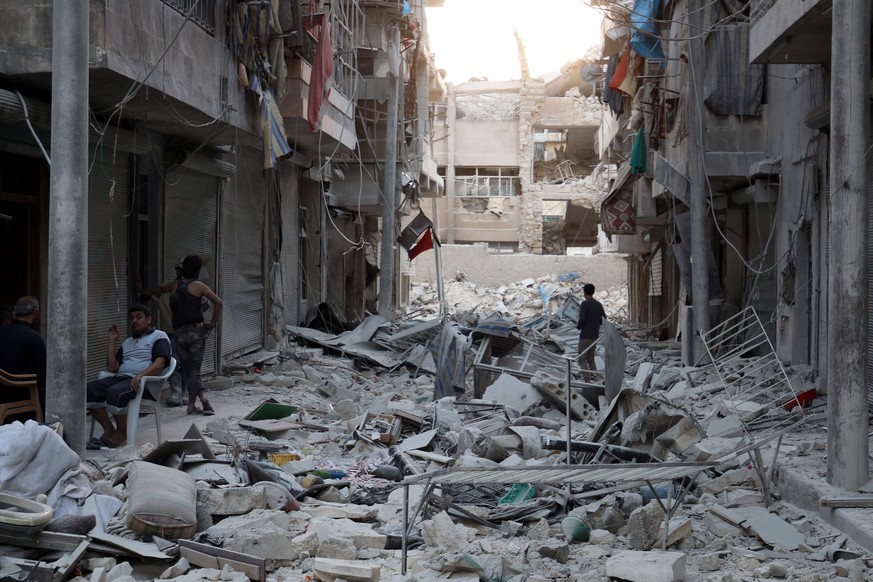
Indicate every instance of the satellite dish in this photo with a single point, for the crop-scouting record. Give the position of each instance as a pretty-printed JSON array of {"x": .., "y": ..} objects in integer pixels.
[{"x": 591, "y": 73}]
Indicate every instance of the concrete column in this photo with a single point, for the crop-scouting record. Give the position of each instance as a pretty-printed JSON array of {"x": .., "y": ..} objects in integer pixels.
[
  {"x": 67, "y": 320},
  {"x": 385, "y": 303},
  {"x": 848, "y": 448},
  {"x": 699, "y": 195},
  {"x": 451, "y": 115}
]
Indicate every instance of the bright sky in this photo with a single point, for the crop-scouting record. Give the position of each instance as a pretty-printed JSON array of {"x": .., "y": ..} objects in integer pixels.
[{"x": 474, "y": 38}]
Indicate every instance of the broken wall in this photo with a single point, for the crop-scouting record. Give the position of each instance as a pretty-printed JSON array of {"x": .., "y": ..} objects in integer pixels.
[{"x": 604, "y": 271}]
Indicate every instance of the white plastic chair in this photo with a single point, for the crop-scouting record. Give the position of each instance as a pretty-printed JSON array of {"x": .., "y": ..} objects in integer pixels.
[{"x": 135, "y": 406}]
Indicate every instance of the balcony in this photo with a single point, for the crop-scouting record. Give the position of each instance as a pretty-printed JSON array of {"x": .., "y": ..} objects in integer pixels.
[{"x": 790, "y": 31}]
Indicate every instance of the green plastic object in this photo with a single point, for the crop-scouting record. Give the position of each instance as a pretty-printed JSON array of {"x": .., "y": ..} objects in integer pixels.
[
  {"x": 271, "y": 410},
  {"x": 575, "y": 529},
  {"x": 517, "y": 493}
]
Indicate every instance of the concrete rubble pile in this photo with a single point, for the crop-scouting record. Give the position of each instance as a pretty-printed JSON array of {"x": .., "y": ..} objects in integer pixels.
[
  {"x": 519, "y": 300},
  {"x": 321, "y": 479}
]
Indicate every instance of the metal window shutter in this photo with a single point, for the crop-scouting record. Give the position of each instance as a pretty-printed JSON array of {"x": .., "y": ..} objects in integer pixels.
[
  {"x": 290, "y": 245},
  {"x": 108, "y": 295},
  {"x": 190, "y": 219},
  {"x": 242, "y": 228}
]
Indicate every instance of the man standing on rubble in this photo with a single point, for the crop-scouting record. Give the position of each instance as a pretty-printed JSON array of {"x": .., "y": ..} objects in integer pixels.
[{"x": 591, "y": 313}]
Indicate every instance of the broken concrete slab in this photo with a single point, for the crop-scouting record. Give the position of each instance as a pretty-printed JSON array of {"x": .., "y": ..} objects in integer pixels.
[
  {"x": 231, "y": 500},
  {"x": 330, "y": 570},
  {"x": 636, "y": 566},
  {"x": 362, "y": 535},
  {"x": 512, "y": 392},
  {"x": 676, "y": 530},
  {"x": 441, "y": 532},
  {"x": 771, "y": 528}
]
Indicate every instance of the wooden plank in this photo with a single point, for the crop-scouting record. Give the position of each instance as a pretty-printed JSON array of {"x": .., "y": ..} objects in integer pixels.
[
  {"x": 66, "y": 564},
  {"x": 207, "y": 556}
]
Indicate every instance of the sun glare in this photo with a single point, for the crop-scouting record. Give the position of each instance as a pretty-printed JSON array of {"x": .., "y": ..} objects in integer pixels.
[{"x": 474, "y": 38}]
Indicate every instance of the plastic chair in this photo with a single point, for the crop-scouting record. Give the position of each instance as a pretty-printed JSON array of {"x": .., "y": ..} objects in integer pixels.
[
  {"x": 135, "y": 406},
  {"x": 28, "y": 405}
]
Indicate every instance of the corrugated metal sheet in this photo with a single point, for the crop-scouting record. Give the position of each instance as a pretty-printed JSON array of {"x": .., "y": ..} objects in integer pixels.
[
  {"x": 190, "y": 221},
  {"x": 108, "y": 296},
  {"x": 242, "y": 227},
  {"x": 561, "y": 474}
]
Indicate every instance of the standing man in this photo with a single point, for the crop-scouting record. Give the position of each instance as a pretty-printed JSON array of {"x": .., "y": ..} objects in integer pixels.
[
  {"x": 22, "y": 350},
  {"x": 590, "y": 315},
  {"x": 165, "y": 323},
  {"x": 191, "y": 329},
  {"x": 145, "y": 353}
]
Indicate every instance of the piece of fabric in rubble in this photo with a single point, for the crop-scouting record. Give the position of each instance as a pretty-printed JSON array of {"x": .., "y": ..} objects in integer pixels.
[
  {"x": 35, "y": 460},
  {"x": 449, "y": 350}
]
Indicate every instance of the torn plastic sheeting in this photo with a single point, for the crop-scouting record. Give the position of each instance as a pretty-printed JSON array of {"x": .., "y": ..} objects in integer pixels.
[{"x": 449, "y": 349}]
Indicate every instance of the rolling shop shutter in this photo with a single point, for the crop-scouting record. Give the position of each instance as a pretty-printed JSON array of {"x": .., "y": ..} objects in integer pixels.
[
  {"x": 108, "y": 288},
  {"x": 242, "y": 227},
  {"x": 190, "y": 221}
]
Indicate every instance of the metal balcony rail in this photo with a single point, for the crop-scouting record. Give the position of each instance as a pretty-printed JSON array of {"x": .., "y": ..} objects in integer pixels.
[
  {"x": 202, "y": 12},
  {"x": 486, "y": 186}
]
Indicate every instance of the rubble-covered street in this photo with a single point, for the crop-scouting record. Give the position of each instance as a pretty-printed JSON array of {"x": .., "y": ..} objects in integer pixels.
[{"x": 322, "y": 453}]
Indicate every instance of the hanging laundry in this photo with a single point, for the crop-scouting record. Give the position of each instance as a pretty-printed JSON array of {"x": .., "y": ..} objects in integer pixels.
[
  {"x": 645, "y": 38},
  {"x": 610, "y": 97},
  {"x": 321, "y": 80},
  {"x": 638, "y": 153}
]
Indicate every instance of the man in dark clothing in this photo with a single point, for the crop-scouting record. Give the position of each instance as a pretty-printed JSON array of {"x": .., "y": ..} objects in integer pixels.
[
  {"x": 22, "y": 350},
  {"x": 590, "y": 315}
]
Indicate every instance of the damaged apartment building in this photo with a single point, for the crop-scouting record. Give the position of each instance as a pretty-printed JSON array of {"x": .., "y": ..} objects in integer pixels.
[
  {"x": 254, "y": 134},
  {"x": 519, "y": 162},
  {"x": 740, "y": 130}
]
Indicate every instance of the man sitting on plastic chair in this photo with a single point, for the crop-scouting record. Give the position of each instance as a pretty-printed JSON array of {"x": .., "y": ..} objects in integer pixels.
[{"x": 145, "y": 353}]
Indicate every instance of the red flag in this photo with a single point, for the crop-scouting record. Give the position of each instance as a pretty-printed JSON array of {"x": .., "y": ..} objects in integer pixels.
[{"x": 425, "y": 243}]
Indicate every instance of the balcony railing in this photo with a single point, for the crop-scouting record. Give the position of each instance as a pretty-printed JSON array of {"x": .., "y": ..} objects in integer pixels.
[
  {"x": 200, "y": 12},
  {"x": 486, "y": 186}
]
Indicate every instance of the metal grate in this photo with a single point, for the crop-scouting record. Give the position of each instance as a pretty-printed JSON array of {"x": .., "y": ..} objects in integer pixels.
[
  {"x": 202, "y": 12},
  {"x": 753, "y": 376}
]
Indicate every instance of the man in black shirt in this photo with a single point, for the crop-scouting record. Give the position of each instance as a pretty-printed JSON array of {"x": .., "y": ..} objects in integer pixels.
[
  {"x": 22, "y": 350},
  {"x": 590, "y": 314}
]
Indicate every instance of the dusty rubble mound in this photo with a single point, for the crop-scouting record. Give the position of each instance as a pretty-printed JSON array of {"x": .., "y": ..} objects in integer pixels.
[{"x": 431, "y": 450}]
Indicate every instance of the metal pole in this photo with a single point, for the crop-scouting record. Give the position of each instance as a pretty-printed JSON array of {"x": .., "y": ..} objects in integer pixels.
[
  {"x": 67, "y": 320},
  {"x": 848, "y": 445},
  {"x": 567, "y": 412},
  {"x": 451, "y": 114},
  {"x": 389, "y": 183},
  {"x": 700, "y": 243}
]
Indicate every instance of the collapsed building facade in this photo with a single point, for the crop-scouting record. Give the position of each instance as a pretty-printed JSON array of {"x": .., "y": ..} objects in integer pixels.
[
  {"x": 236, "y": 130},
  {"x": 519, "y": 164}
]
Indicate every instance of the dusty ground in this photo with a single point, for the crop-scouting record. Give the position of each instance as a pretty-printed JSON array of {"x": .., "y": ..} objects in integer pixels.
[{"x": 328, "y": 391}]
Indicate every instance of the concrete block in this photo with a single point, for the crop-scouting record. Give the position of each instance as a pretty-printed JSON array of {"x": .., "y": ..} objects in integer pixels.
[
  {"x": 119, "y": 571},
  {"x": 720, "y": 528},
  {"x": 677, "y": 529},
  {"x": 256, "y": 519},
  {"x": 556, "y": 551},
  {"x": 362, "y": 535},
  {"x": 350, "y": 511},
  {"x": 643, "y": 526},
  {"x": 337, "y": 549},
  {"x": 232, "y": 500},
  {"x": 555, "y": 391},
  {"x": 647, "y": 566},
  {"x": 268, "y": 541},
  {"x": 512, "y": 392},
  {"x": 644, "y": 376},
  {"x": 601, "y": 537},
  {"x": 353, "y": 571},
  {"x": 441, "y": 532}
]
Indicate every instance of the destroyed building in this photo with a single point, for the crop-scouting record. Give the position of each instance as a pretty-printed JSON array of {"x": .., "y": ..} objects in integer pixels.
[{"x": 468, "y": 443}]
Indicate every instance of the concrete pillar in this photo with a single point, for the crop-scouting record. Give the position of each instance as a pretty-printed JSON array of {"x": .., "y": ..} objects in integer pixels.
[{"x": 451, "y": 115}]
